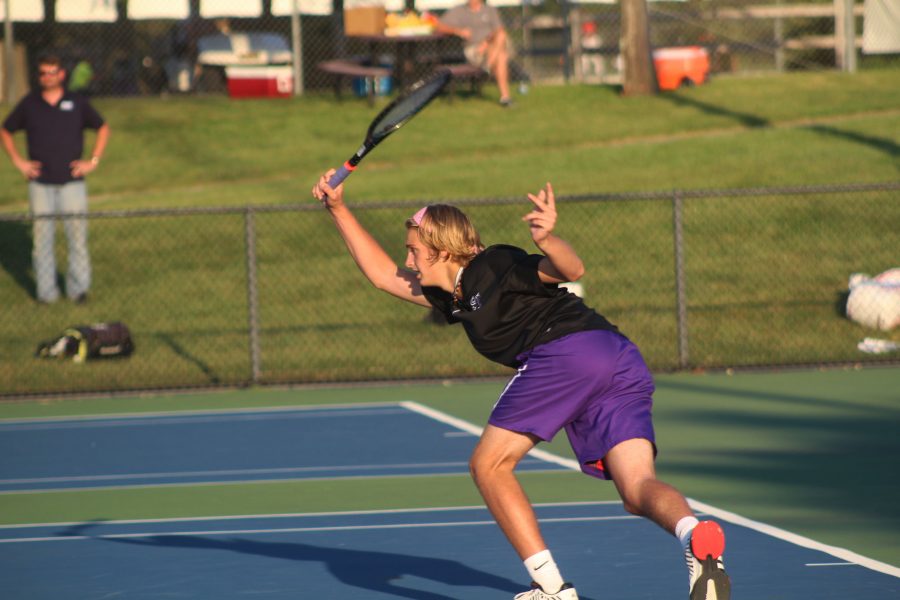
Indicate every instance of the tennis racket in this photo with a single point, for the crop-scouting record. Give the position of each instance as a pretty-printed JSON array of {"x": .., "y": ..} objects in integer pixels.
[{"x": 392, "y": 118}]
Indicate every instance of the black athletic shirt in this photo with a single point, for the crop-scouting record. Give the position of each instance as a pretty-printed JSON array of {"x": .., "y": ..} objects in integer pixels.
[
  {"x": 55, "y": 133},
  {"x": 506, "y": 309}
]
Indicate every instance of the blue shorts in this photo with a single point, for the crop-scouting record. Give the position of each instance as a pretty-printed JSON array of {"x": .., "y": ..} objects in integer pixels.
[{"x": 594, "y": 384}]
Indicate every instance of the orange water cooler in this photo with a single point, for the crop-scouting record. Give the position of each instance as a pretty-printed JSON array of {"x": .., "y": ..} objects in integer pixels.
[{"x": 686, "y": 65}]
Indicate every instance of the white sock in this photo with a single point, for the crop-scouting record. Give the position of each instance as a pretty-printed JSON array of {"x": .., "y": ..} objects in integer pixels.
[
  {"x": 544, "y": 571},
  {"x": 684, "y": 528}
]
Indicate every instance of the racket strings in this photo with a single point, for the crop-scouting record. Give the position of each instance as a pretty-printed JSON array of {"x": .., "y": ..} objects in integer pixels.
[{"x": 406, "y": 107}]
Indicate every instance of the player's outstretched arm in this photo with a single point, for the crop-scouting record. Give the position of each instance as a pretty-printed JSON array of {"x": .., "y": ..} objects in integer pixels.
[
  {"x": 561, "y": 262},
  {"x": 367, "y": 253}
]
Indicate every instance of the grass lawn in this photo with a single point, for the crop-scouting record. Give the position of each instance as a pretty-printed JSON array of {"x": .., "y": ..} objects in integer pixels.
[
  {"x": 764, "y": 273},
  {"x": 805, "y": 128}
]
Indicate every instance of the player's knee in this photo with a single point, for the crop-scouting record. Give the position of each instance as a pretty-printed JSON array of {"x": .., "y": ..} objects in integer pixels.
[
  {"x": 633, "y": 495},
  {"x": 479, "y": 467},
  {"x": 632, "y": 507},
  {"x": 483, "y": 466}
]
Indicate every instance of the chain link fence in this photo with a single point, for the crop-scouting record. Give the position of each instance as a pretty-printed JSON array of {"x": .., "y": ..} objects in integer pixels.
[
  {"x": 268, "y": 295},
  {"x": 148, "y": 47}
]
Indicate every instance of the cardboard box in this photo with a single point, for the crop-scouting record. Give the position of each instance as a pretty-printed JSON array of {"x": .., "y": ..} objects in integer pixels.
[
  {"x": 260, "y": 82},
  {"x": 364, "y": 20}
]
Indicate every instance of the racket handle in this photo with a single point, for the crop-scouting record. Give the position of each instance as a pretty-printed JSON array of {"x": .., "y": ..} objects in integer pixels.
[{"x": 339, "y": 176}]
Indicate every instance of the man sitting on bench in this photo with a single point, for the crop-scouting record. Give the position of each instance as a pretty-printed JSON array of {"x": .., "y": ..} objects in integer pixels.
[{"x": 484, "y": 40}]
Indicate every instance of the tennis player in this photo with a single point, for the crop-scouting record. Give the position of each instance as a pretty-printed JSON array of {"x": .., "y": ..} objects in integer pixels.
[{"x": 575, "y": 371}]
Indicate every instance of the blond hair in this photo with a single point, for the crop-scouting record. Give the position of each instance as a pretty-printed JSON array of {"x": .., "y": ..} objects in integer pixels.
[{"x": 445, "y": 228}]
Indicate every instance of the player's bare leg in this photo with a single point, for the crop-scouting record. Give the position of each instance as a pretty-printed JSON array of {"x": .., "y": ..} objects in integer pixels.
[
  {"x": 492, "y": 465},
  {"x": 631, "y": 466}
]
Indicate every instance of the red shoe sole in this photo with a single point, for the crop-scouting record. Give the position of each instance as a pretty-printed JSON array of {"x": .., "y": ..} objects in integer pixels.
[{"x": 707, "y": 540}]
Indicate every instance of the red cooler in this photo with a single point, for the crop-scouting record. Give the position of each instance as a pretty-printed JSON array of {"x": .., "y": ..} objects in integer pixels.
[
  {"x": 677, "y": 66},
  {"x": 260, "y": 82}
]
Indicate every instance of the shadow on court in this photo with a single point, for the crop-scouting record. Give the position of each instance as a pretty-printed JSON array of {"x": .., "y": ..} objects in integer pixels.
[
  {"x": 367, "y": 570},
  {"x": 819, "y": 452}
]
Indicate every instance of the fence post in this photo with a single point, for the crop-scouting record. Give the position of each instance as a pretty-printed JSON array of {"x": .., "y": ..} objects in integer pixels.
[
  {"x": 779, "y": 41},
  {"x": 252, "y": 297},
  {"x": 680, "y": 283},
  {"x": 297, "y": 48},
  {"x": 8, "y": 92}
]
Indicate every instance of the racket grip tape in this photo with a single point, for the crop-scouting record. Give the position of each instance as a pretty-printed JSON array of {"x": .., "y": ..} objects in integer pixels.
[{"x": 341, "y": 174}]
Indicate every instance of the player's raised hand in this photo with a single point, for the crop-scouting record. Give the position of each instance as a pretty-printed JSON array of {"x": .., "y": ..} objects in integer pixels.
[
  {"x": 324, "y": 193},
  {"x": 542, "y": 219}
]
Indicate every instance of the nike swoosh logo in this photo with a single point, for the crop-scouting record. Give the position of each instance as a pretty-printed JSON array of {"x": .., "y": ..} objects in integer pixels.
[{"x": 539, "y": 567}]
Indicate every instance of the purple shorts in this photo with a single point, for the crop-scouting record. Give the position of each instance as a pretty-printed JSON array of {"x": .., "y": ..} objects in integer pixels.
[{"x": 594, "y": 384}]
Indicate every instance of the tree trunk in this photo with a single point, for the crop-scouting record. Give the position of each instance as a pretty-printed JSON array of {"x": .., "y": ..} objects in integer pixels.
[{"x": 640, "y": 76}]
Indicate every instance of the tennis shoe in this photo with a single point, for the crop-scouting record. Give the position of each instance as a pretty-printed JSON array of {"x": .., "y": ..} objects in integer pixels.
[
  {"x": 705, "y": 565},
  {"x": 566, "y": 592}
]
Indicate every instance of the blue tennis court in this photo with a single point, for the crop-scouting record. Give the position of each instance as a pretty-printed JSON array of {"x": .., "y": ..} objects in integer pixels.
[
  {"x": 353, "y": 441},
  {"x": 437, "y": 553}
]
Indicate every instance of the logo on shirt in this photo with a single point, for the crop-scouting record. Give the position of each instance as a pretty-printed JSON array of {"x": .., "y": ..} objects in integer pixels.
[
  {"x": 475, "y": 301},
  {"x": 66, "y": 105}
]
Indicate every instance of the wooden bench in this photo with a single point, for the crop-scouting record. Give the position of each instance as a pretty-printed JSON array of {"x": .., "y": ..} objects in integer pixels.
[
  {"x": 476, "y": 76},
  {"x": 346, "y": 69}
]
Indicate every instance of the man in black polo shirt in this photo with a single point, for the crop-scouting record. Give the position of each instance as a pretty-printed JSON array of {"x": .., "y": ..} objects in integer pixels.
[{"x": 54, "y": 121}]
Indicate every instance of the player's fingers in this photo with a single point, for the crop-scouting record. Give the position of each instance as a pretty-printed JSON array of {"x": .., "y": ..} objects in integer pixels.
[
  {"x": 544, "y": 219},
  {"x": 540, "y": 224},
  {"x": 536, "y": 225},
  {"x": 551, "y": 197},
  {"x": 323, "y": 187},
  {"x": 544, "y": 211},
  {"x": 537, "y": 200}
]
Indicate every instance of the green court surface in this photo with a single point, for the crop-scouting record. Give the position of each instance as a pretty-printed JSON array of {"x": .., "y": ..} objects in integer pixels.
[{"x": 814, "y": 452}]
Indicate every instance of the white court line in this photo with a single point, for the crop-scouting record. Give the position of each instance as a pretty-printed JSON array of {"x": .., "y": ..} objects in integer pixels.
[
  {"x": 200, "y": 412},
  {"x": 137, "y": 486},
  {"x": 112, "y": 536},
  {"x": 840, "y": 564},
  {"x": 97, "y": 423},
  {"x": 175, "y": 474},
  {"x": 799, "y": 540},
  {"x": 725, "y": 515},
  {"x": 226, "y": 472},
  {"x": 339, "y": 513}
]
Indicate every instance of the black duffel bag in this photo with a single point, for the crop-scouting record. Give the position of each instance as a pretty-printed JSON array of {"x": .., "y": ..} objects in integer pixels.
[{"x": 100, "y": 340}]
